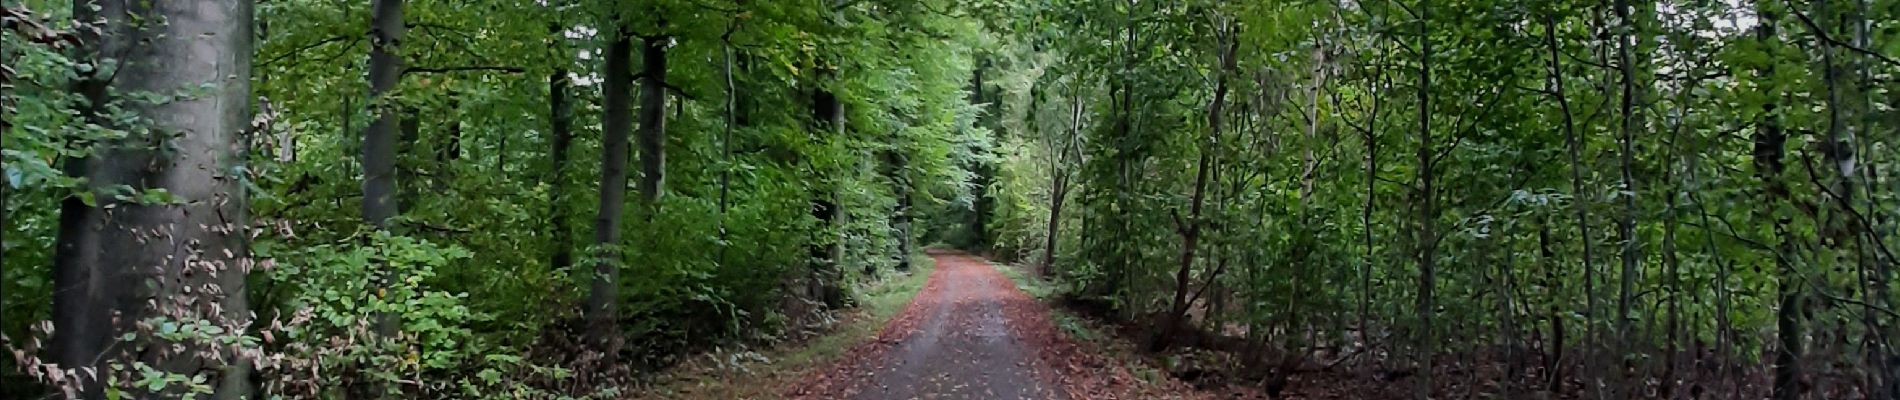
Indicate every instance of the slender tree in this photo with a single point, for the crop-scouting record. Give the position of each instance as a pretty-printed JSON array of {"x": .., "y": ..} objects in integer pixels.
[
  {"x": 380, "y": 201},
  {"x": 561, "y": 132},
  {"x": 1427, "y": 239},
  {"x": 603, "y": 296},
  {"x": 652, "y": 136}
]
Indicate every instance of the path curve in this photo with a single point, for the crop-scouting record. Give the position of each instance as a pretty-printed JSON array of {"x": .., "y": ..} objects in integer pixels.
[{"x": 958, "y": 339}]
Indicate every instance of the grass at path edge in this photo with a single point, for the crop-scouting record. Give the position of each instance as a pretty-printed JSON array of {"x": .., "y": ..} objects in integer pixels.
[{"x": 706, "y": 378}]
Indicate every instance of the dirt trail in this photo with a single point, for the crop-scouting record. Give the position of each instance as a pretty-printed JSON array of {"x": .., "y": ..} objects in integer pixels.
[{"x": 957, "y": 340}]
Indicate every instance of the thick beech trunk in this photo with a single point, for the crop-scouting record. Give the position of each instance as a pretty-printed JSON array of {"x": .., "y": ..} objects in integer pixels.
[{"x": 118, "y": 256}]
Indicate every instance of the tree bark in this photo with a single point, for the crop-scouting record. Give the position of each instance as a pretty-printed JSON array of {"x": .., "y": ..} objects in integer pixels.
[
  {"x": 1428, "y": 206},
  {"x": 1580, "y": 197},
  {"x": 653, "y": 122},
  {"x": 1554, "y": 367},
  {"x": 617, "y": 124},
  {"x": 119, "y": 256},
  {"x": 1626, "y": 226},
  {"x": 560, "y": 123},
  {"x": 561, "y": 130},
  {"x": 725, "y": 139},
  {"x": 379, "y": 141}
]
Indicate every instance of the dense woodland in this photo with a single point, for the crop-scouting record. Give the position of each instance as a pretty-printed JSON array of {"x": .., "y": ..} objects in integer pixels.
[{"x": 559, "y": 198}]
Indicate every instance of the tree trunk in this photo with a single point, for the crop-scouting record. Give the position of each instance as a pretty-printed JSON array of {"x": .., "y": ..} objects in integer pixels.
[
  {"x": 381, "y": 199},
  {"x": 653, "y": 122},
  {"x": 725, "y": 139},
  {"x": 898, "y": 173},
  {"x": 1554, "y": 367},
  {"x": 379, "y": 141},
  {"x": 1428, "y": 207},
  {"x": 902, "y": 222},
  {"x": 1580, "y": 197},
  {"x": 617, "y": 124},
  {"x": 1191, "y": 227},
  {"x": 1059, "y": 182},
  {"x": 1058, "y": 191},
  {"x": 825, "y": 249},
  {"x": 106, "y": 268},
  {"x": 981, "y": 203},
  {"x": 1626, "y": 226},
  {"x": 560, "y": 123},
  {"x": 1672, "y": 261}
]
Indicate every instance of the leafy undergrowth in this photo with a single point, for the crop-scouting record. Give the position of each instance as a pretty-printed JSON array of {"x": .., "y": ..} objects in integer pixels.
[
  {"x": 1093, "y": 363},
  {"x": 763, "y": 374},
  {"x": 1108, "y": 351}
]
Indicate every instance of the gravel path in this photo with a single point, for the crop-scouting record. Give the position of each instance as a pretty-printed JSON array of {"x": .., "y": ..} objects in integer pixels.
[{"x": 956, "y": 340}]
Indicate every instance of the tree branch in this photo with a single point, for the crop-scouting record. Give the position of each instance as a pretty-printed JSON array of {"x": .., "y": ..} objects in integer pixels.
[
  {"x": 677, "y": 91},
  {"x": 300, "y": 49},
  {"x": 444, "y": 70},
  {"x": 1831, "y": 41}
]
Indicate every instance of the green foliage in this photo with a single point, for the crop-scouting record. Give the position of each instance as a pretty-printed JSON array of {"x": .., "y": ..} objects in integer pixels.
[{"x": 345, "y": 290}]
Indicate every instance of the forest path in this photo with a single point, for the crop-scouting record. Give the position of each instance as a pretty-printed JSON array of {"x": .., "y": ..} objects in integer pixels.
[{"x": 958, "y": 339}]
